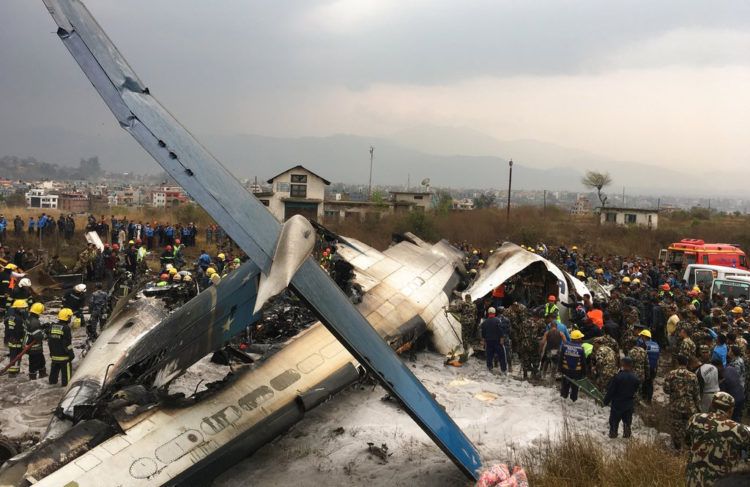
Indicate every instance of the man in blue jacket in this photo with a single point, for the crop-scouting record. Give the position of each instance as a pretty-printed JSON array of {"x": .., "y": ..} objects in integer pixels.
[
  {"x": 572, "y": 365},
  {"x": 621, "y": 396}
]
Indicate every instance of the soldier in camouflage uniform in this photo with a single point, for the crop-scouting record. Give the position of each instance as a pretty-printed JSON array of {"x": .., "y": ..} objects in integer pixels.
[
  {"x": 605, "y": 362},
  {"x": 640, "y": 363},
  {"x": 523, "y": 336},
  {"x": 465, "y": 311},
  {"x": 687, "y": 345},
  {"x": 715, "y": 441},
  {"x": 608, "y": 341},
  {"x": 684, "y": 393}
]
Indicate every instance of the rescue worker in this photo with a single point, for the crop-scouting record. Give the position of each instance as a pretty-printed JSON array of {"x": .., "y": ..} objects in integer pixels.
[
  {"x": 572, "y": 365},
  {"x": 465, "y": 311},
  {"x": 687, "y": 345},
  {"x": 550, "y": 309},
  {"x": 605, "y": 362},
  {"x": 716, "y": 442},
  {"x": 491, "y": 336},
  {"x": 98, "y": 308},
  {"x": 35, "y": 331},
  {"x": 652, "y": 354},
  {"x": 683, "y": 390},
  {"x": 640, "y": 362},
  {"x": 178, "y": 259},
  {"x": 15, "y": 334},
  {"x": 167, "y": 257},
  {"x": 524, "y": 337},
  {"x": 621, "y": 395},
  {"x": 221, "y": 261},
  {"x": 75, "y": 300},
  {"x": 60, "y": 343},
  {"x": 6, "y": 275},
  {"x": 131, "y": 258}
]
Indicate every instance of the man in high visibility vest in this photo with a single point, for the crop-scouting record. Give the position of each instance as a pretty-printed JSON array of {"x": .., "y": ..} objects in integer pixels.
[
  {"x": 60, "y": 343},
  {"x": 572, "y": 364},
  {"x": 550, "y": 309}
]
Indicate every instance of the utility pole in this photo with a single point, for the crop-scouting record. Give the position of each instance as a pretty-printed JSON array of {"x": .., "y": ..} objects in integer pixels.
[
  {"x": 510, "y": 184},
  {"x": 544, "y": 207},
  {"x": 369, "y": 186},
  {"x": 623, "y": 196}
]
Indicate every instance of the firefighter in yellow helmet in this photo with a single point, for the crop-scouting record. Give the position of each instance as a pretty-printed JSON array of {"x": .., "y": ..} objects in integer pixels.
[
  {"x": 37, "y": 364},
  {"x": 60, "y": 343}
]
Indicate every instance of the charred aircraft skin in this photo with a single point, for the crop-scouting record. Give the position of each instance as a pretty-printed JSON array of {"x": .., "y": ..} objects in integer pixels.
[{"x": 260, "y": 401}]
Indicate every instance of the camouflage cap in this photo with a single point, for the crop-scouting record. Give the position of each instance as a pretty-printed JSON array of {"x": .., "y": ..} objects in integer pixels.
[
  {"x": 722, "y": 401},
  {"x": 704, "y": 349}
]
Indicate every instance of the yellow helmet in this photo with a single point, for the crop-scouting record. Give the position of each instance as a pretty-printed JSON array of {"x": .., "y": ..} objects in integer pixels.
[
  {"x": 65, "y": 314},
  {"x": 480, "y": 262},
  {"x": 576, "y": 335},
  {"x": 177, "y": 278},
  {"x": 636, "y": 281},
  {"x": 626, "y": 280},
  {"x": 580, "y": 274},
  {"x": 172, "y": 271},
  {"x": 599, "y": 271},
  {"x": 11, "y": 266},
  {"x": 221, "y": 256},
  {"x": 645, "y": 333},
  {"x": 737, "y": 310},
  {"x": 20, "y": 303},
  {"x": 37, "y": 308},
  {"x": 210, "y": 271},
  {"x": 574, "y": 248}
]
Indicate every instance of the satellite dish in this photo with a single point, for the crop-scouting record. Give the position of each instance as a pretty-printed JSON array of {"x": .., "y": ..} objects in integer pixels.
[{"x": 426, "y": 182}]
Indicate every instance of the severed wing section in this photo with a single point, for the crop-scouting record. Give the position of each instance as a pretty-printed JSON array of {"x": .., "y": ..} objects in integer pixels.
[{"x": 245, "y": 219}]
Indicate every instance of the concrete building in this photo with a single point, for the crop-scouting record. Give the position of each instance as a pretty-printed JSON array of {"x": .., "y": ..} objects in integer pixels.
[
  {"x": 581, "y": 207},
  {"x": 296, "y": 191},
  {"x": 419, "y": 201},
  {"x": 165, "y": 196},
  {"x": 73, "y": 202},
  {"x": 629, "y": 216},
  {"x": 464, "y": 204},
  {"x": 38, "y": 198}
]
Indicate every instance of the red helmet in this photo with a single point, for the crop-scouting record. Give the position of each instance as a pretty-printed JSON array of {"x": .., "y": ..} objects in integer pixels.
[
  {"x": 164, "y": 277},
  {"x": 106, "y": 246},
  {"x": 665, "y": 287},
  {"x": 177, "y": 241},
  {"x": 168, "y": 248},
  {"x": 551, "y": 298}
]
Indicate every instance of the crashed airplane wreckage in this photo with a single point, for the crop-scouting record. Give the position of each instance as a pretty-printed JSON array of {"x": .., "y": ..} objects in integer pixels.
[
  {"x": 109, "y": 429},
  {"x": 510, "y": 260}
]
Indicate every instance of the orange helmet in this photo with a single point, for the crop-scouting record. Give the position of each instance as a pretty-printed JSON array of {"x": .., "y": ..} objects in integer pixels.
[{"x": 551, "y": 298}]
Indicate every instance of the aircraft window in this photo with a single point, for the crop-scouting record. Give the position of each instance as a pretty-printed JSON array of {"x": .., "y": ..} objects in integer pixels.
[
  {"x": 252, "y": 400},
  {"x": 285, "y": 379}
]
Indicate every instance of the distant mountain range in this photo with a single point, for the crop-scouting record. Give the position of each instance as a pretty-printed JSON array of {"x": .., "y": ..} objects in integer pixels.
[{"x": 449, "y": 157}]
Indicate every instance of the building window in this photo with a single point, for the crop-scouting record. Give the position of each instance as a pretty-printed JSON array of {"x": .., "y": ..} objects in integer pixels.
[
  {"x": 265, "y": 202},
  {"x": 299, "y": 178},
  {"x": 299, "y": 191},
  {"x": 630, "y": 218},
  {"x": 282, "y": 187},
  {"x": 418, "y": 197},
  {"x": 610, "y": 217}
]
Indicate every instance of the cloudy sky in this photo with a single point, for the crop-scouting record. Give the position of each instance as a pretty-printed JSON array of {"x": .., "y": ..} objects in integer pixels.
[{"x": 661, "y": 82}]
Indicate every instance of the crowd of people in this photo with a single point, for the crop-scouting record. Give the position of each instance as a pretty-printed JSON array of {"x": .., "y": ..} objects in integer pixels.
[
  {"x": 112, "y": 270},
  {"x": 647, "y": 322}
]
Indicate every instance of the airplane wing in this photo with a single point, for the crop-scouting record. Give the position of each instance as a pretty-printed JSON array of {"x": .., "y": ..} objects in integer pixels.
[
  {"x": 245, "y": 219},
  {"x": 580, "y": 288}
]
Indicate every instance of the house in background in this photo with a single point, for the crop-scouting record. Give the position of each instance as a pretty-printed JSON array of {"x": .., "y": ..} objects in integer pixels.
[
  {"x": 296, "y": 191},
  {"x": 629, "y": 216},
  {"x": 38, "y": 198}
]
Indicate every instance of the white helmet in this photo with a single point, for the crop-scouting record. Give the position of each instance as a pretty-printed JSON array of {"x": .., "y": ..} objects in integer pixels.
[
  {"x": 25, "y": 282},
  {"x": 81, "y": 288}
]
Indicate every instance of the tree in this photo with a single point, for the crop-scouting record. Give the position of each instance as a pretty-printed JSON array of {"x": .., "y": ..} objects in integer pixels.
[
  {"x": 598, "y": 181},
  {"x": 484, "y": 200},
  {"x": 443, "y": 202}
]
